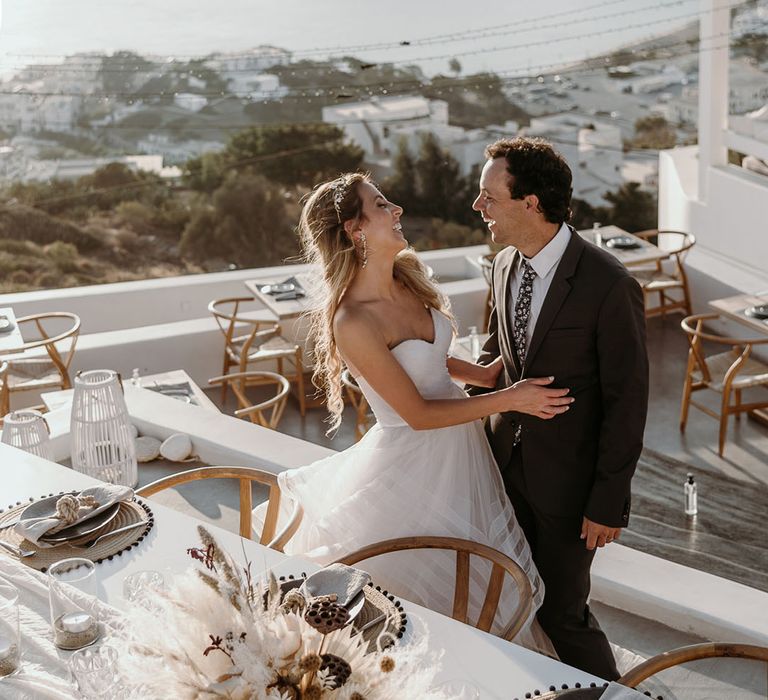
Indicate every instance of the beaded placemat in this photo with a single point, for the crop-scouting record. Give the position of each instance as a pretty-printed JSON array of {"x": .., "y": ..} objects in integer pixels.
[
  {"x": 130, "y": 512},
  {"x": 592, "y": 691},
  {"x": 382, "y": 619}
]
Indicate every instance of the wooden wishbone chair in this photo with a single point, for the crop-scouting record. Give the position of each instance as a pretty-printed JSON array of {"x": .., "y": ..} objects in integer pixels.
[
  {"x": 502, "y": 565},
  {"x": 246, "y": 475},
  {"x": 249, "y": 340},
  {"x": 694, "y": 652},
  {"x": 727, "y": 373},
  {"x": 56, "y": 332},
  {"x": 265, "y": 413},
  {"x": 665, "y": 280}
]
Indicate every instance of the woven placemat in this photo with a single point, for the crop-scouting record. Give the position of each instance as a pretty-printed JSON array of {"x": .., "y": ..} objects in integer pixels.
[
  {"x": 130, "y": 512},
  {"x": 379, "y": 605}
]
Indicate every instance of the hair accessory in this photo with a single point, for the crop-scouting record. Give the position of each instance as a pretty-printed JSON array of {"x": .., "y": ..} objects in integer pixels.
[{"x": 339, "y": 192}]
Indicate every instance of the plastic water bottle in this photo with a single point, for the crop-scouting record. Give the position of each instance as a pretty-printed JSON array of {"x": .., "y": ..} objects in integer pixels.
[
  {"x": 135, "y": 377},
  {"x": 474, "y": 343},
  {"x": 691, "y": 496}
]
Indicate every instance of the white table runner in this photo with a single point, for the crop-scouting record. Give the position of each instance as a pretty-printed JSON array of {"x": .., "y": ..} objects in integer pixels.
[{"x": 43, "y": 674}]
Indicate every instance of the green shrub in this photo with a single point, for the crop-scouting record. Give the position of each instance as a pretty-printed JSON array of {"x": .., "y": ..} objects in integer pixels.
[
  {"x": 19, "y": 247},
  {"x": 28, "y": 224},
  {"x": 63, "y": 255},
  {"x": 136, "y": 216}
]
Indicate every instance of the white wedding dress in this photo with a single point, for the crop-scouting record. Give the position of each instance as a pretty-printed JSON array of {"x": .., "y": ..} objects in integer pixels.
[{"x": 398, "y": 482}]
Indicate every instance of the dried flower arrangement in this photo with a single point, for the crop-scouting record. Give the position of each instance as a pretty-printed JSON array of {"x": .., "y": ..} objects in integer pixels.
[{"x": 215, "y": 633}]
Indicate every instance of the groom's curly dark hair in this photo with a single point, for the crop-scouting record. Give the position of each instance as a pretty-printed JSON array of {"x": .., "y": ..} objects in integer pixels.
[{"x": 536, "y": 168}]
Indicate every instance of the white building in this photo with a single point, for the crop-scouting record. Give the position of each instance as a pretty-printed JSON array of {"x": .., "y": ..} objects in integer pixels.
[
  {"x": 466, "y": 146},
  {"x": 684, "y": 109},
  {"x": 256, "y": 60},
  {"x": 747, "y": 91},
  {"x": 747, "y": 87},
  {"x": 669, "y": 75},
  {"x": 380, "y": 125},
  {"x": 370, "y": 124},
  {"x": 751, "y": 20},
  {"x": 592, "y": 148},
  {"x": 260, "y": 86},
  {"x": 190, "y": 101},
  {"x": 73, "y": 168}
]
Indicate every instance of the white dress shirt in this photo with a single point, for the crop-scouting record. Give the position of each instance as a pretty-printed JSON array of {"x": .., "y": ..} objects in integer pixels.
[{"x": 544, "y": 264}]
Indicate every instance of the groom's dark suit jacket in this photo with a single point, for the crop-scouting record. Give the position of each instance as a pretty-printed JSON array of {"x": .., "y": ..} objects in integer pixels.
[{"x": 589, "y": 335}]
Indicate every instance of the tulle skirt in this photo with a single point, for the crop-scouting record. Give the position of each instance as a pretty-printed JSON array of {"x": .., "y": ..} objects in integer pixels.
[{"x": 397, "y": 482}]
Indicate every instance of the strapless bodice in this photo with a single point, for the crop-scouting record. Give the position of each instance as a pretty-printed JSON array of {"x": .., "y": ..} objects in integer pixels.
[{"x": 425, "y": 364}]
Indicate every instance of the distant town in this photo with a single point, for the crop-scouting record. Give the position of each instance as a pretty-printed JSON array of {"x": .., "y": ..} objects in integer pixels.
[{"x": 608, "y": 116}]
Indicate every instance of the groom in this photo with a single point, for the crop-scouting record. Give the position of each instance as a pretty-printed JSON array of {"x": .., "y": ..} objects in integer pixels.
[{"x": 567, "y": 309}]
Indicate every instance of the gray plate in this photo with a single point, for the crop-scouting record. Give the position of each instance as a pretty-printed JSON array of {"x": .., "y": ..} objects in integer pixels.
[
  {"x": 759, "y": 312},
  {"x": 622, "y": 243},
  {"x": 46, "y": 508}
]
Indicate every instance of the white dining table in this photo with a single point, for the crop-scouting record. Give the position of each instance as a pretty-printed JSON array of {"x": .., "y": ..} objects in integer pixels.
[
  {"x": 499, "y": 669},
  {"x": 11, "y": 340},
  {"x": 643, "y": 253}
]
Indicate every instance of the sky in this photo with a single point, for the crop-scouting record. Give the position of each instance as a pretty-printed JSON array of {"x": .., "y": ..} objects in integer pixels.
[{"x": 498, "y": 35}]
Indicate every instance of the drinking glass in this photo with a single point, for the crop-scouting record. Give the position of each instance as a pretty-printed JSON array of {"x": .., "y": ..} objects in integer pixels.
[
  {"x": 72, "y": 591},
  {"x": 10, "y": 638},
  {"x": 94, "y": 672},
  {"x": 141, "y": 585},
  {"x": 458, "y": 690}
]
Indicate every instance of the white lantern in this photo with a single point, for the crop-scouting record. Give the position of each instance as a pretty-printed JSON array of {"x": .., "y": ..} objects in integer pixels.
[
  {"x": 102, "y": 441},
  {"x": 28, "y": 431}
]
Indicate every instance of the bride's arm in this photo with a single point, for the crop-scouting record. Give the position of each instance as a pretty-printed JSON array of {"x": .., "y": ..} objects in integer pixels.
[
  {"x": 472, "y": 373},
  {"x": 364, "y": 347}
]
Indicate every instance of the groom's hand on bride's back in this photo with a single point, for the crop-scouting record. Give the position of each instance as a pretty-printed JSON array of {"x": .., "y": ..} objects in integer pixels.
[{"x": 537, "y": 398}]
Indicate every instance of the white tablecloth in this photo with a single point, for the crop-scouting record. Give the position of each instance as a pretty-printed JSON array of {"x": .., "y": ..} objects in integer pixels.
[
  {"x": 498, "y": 668},
  {"x": 43, "y": 673}
]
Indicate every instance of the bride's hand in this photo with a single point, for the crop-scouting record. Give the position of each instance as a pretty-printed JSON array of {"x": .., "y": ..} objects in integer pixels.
[
  {"x": 490, "y": 373},
  {"x": 535, "y": 397}
]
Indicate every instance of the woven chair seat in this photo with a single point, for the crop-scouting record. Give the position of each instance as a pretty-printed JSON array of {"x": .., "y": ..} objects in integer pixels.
[
  {"x": 276, "y": 346},
  {"x": 751, "y": 373},
  {"x": 33, "y": 373},
  {"x": 654, "y": 279}
]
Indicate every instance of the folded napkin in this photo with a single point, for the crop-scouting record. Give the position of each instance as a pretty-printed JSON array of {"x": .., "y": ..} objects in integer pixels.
[
  {"x": 615, "y": 691},
  {"x": 344, "y": 581},
  {"x": 72, "y": 509}
]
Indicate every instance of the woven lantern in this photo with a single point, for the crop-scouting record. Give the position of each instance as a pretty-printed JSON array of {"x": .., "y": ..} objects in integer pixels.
[
  {"x": 28, "y": 431},
  {"x": 102, "y": 441}
]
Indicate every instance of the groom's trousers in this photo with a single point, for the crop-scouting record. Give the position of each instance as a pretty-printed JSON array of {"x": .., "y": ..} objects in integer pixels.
[{"x": 563, "y": 562}]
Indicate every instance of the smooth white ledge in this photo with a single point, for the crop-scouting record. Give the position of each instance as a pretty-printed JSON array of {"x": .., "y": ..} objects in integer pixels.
[{"x": 680, "y": 597}]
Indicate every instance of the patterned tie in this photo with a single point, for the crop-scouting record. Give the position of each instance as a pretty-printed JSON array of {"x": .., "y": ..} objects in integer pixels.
[{"x": 520, "y": 325}]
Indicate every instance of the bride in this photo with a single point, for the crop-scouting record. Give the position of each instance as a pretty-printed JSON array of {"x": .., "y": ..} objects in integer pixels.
[{"x": 425, "y": 467}]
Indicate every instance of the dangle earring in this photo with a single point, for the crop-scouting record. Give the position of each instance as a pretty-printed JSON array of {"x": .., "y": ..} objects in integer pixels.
[{"x": 364, "y": 252}]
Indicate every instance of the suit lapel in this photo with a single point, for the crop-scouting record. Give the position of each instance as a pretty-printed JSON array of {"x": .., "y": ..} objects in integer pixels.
[
  {"x": 505, "y": 319},
  {"x": 557, "y": 293}
]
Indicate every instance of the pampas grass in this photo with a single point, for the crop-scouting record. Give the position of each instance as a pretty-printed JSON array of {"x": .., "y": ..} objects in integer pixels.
[{"x": 209, "y": 636}]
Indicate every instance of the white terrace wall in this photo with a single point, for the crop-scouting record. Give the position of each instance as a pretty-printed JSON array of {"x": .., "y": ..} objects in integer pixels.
[{"x": 163, "y": 324}]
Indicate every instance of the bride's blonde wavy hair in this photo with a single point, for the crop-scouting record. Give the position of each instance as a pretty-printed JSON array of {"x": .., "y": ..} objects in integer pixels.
[{"x": 327, "y": 245}]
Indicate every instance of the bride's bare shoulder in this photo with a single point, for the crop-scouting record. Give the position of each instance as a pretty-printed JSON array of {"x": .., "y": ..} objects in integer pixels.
[{"x": 353, "y": 318}]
